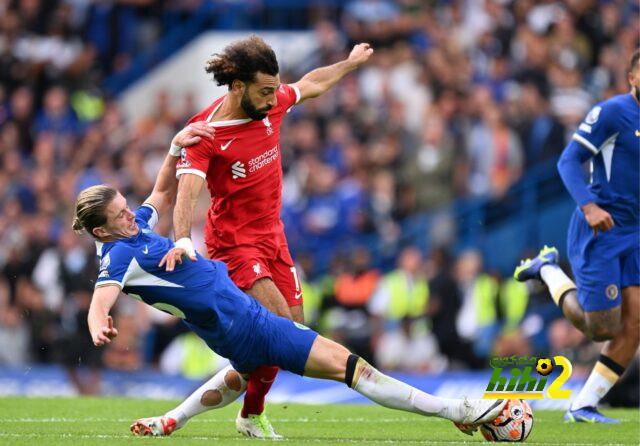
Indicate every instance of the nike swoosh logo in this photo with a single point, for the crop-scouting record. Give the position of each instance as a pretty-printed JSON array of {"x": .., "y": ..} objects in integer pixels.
[
  {"x": 145, "y": 250},
  {"x": 266, "y": 381},
  {"x": 298, "y": 295},
  {"x": 493, "y": 406},
  {"x": 223, "y": 147},
  {"x": 637, "y": 132}
]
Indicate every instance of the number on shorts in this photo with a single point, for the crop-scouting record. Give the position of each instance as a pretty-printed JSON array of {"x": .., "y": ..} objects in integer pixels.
[{"x": 295, "y": 278}]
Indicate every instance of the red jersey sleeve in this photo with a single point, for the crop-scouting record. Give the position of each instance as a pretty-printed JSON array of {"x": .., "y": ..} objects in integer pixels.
[
  {"x": 288, "y": 95},
  {"x": 195, "y": 159}
]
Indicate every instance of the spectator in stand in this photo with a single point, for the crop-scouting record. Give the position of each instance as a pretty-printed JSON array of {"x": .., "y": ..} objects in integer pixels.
[
  {"x": 494, "y": 154},
  {"x": 432, "y": 169},
  {"x": 399, "y": 323},
  {"x": 353, "y": 289},
  {"x": 542, "y": 135},
  {"x": 445, "y": 301}
]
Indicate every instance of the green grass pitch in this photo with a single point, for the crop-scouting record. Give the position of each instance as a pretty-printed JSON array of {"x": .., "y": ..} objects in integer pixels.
[{"x": 105, "y": 421}]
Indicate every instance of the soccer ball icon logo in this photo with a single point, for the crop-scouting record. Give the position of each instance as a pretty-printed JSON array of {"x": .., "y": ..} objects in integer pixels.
[{"x": 543, "y": 366}]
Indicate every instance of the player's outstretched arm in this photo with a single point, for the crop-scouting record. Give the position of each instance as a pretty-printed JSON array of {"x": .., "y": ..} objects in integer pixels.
[
  {"x": 164, "y": 191},
  {"x": 100, "y": 323},
  {"x": 572, "y": 174},
  {"x": 316, "y": 82}
]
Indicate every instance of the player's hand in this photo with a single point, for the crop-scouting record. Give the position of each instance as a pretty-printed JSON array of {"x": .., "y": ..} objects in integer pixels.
[
  {"x": 174, "y": 256},
  {"x": 597, "y": 218},
  {"x": 193, "y": 134},
  {"x": 105, "y": 334},
  {"x": 360, "y": 54}
]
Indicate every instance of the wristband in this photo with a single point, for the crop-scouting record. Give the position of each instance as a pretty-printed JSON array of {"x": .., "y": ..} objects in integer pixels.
[
  {"x": 186, "y": 244},
  {"x": 175, "y": 150}
]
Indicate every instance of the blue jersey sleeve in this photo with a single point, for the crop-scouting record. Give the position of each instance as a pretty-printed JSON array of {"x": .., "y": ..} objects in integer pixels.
[
  {"x": 114, "y": 265},
  {"x": 146, "y": 216},
  {"x": 572, "y": 174},
  {"x": 598, "y": 127}
]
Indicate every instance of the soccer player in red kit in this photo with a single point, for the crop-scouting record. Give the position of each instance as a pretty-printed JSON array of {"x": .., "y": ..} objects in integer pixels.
[{"x": 243, "y": 173}]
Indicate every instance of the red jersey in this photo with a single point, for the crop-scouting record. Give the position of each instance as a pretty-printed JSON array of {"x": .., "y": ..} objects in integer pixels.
[{"x": 243, "y": 172}]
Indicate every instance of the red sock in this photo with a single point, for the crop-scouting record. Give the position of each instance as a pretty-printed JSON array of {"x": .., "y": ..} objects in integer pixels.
[{"x": 258, "y": 385}]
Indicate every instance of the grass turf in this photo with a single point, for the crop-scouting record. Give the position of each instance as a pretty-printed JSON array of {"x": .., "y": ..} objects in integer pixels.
[{"x": 100, "y": 421}]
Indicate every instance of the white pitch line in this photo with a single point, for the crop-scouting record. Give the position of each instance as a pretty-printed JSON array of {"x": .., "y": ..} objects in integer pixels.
[
  {"x": 297, "y": 440},
  {"x": 230, "y": 420}
]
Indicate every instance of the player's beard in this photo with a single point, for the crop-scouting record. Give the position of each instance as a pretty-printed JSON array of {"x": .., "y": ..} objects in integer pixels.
[{"x": 251, "y": 110}]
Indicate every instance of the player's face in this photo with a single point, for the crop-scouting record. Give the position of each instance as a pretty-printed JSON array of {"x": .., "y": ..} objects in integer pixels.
[
  {"x": 260, "y": 96},
  {"x": 121, "y": 221}
]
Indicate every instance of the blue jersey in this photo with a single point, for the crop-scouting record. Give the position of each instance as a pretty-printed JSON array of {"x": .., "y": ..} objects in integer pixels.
[
  {"x": 132, "y": 264},
  {"x": 231, "y": 322},
  {"x": 611, "y": 131}
]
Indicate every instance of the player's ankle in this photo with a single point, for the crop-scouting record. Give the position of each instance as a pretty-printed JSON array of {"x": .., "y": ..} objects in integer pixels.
[{"x": 244, "y": 413}]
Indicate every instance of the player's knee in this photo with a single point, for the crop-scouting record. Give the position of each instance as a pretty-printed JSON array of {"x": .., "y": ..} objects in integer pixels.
[
  {"x": 604, "y": 325},
  {"x": 234, "y": 381},
  {"x": 599, "y": 332}
]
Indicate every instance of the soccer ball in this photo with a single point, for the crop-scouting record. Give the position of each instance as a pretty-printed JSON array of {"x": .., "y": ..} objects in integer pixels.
[
  {"x": 513, "y": 424},
  {"x": 544, "y": 366}
]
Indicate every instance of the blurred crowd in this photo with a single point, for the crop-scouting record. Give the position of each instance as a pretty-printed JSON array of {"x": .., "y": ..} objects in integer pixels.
[{"x": 460, "y": 98}]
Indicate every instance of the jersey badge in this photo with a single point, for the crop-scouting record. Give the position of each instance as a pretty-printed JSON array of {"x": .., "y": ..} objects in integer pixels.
[
  {"x": 256, "y": 269},
  {"x": 105, "y": 262},
  {"x": 184, "y": 162},
  {"x": 267, "y": 124},
  {"x": 300, "y": 326},
  {"x": 593, "y": 115},
  {"x": 612, "y": 291}
]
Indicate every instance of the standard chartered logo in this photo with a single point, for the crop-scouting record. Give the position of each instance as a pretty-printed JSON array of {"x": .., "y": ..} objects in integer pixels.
[
  {"x": 262, "y": 160},
  {"x": 238, "y": 170}
]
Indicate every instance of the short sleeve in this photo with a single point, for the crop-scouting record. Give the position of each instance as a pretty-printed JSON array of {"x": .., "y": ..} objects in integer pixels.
[
  {"x": 195, "y": 159},
  {"x": 288, "y": 96},
  {"x": 146, "y": 216},
  {"x": 113, "y": 266},
  {"x": 597, "y": 128}
]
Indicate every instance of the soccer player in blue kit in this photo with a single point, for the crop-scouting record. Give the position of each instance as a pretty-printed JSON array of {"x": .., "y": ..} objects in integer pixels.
[
  {"x": 231, "y": 322},
  {"x": 603, "y": 242}
]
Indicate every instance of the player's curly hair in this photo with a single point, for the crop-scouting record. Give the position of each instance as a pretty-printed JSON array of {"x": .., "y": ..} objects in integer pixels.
[
  {"x": 91, "y": 208},
  {"x": 242, "y": 60}
]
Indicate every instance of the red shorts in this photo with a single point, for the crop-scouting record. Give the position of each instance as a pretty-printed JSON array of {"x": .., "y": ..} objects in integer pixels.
[{"x": 247, "y": 264}]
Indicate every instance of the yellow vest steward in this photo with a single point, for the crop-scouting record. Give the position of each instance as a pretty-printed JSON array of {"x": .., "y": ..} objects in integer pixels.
[{"x": 406, "y": 301}]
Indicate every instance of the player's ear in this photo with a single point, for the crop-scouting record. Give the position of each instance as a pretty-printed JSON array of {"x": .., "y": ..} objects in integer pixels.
[
  {"x": 99, "y": 232},
  {"x": 237, "y": 86}
]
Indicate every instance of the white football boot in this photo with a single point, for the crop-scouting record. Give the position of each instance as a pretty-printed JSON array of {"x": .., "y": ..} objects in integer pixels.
[
  {"x": 154, "y": 426},
  {"x": 257, "y": 426},
  {"x": 474, "y": 412}
]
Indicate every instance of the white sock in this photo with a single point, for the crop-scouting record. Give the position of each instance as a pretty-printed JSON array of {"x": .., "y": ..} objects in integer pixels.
[
  {"x": 556, "y": 280},
  {"x": 213, "y": 394},
  {"x": 601, "y": 379},
  {"x": 390, "y": 392}
]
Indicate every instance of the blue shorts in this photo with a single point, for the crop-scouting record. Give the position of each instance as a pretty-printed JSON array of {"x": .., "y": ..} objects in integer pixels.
[
  {"x": 249, "y": 335},
  {"x": 604, "y": 264},
  {"x": 281, "y": 342}
]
